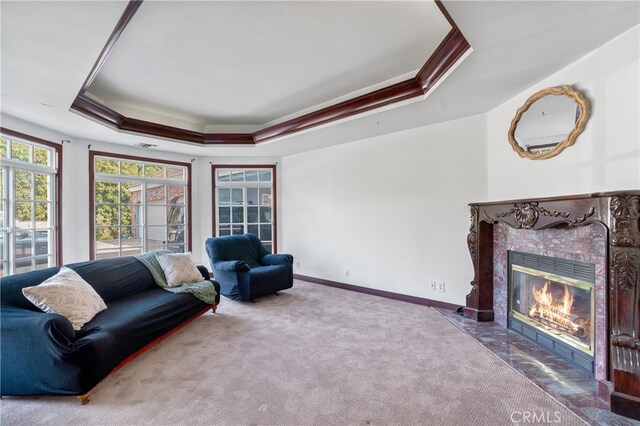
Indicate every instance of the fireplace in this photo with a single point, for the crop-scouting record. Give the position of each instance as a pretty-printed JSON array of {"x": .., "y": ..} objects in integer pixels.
[
  {"x": 551, "y": 302},
  {"x": 616, "y": 216}
]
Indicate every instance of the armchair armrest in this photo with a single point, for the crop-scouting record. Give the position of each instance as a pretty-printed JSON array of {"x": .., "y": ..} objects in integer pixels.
[
  {"x": 277, "y": 259},
  {"x": 231, "y": 266}
]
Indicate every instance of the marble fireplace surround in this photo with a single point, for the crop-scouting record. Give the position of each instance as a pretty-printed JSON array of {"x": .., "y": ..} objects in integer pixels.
[
  {"x": 584, "y": 244},
  {"x": 600, "y": 228}
]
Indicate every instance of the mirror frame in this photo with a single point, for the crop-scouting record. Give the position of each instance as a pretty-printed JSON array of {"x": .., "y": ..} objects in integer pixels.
[{"x": 569, "y": 91}]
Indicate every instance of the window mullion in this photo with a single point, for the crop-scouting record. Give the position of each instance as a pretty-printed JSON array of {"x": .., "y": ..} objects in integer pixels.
[
  {"x": 137, "y": 179},
  {"x": 22, "y": 165},
  {"x": 11, "y": 261},
  {"x": 245, "y": 204},
  {"x": 119, "y": 218},
  {"x": 51, "y": 217},
  {"x": 143, "y": 225}
]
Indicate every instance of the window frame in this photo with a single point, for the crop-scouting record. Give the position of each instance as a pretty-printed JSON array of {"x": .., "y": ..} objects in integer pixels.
[
  {"x": 274, "y": 195},
  {"x": 92, "y": 202},
  {"x": 56, "y": 180}
]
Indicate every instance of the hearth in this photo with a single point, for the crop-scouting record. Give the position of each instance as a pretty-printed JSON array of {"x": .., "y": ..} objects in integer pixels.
[{"x": 551, "y": 301}]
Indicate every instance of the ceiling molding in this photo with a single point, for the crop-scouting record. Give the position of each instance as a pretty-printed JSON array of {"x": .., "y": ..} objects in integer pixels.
[
  {"x": 229, "y": 138},
  {"x": 398, "y": 92},
  {"x": 97, "y": 111},
  {"x": 450, "y": 50},
  {"x": 446, "y": 14},
  {"x": 125, "y": 18}
]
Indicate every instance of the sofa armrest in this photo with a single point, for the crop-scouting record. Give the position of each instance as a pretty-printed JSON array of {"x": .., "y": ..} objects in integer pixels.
[
  {"x": 277, "y": 259},
  {"x": 32, "y": 345},
  {"x": 16, "y": 322},
  {"x": 205, "y": 274},
  {"x": 231, "y": 266},
  {"x": 204, "y": 271}
]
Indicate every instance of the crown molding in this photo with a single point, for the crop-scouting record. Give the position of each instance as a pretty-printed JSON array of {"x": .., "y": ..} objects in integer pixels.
[{"x": 450, "y": 50}]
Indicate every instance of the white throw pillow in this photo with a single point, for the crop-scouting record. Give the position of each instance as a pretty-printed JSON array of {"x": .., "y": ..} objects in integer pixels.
[
  {"x": 179, "y": 269},
  {"x": 67, "y": 294}
]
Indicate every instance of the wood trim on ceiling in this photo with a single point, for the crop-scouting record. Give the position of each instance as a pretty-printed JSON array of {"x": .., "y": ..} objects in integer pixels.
[
  {"x": 445, "y": 12},
  {"x": 58, "y": 200},
  {"x": 398, "y": 92},
  {"x": 450, "y": 50},
  {"x": 125, "y": 18}
]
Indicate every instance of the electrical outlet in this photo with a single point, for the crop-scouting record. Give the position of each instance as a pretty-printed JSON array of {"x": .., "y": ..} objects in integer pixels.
[
  {"x": 297, "y": 265},
  {"x": 432, "y": 286},
  {"x": 347, "y": 272},
  {"x": 441, "y": 287}
]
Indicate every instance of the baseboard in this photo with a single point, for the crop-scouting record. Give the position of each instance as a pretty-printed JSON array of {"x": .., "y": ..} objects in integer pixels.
[{"x": 381, "y": 293}]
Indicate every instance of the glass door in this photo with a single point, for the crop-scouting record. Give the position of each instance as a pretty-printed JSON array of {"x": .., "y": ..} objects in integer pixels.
[
  {"x": 244, "y": 202},
  {"x": 27, "y": 208}
]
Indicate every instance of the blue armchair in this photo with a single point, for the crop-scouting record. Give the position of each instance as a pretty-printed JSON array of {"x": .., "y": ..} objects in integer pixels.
[{"x": 245, "y": 269}]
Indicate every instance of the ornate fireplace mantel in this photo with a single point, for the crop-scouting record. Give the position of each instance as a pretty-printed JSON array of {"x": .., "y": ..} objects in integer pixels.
[{"x": 619, "y": 213}]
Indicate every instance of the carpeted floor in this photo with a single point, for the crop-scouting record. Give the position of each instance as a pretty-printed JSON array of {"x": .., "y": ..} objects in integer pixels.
[{"x": 314, "y": 355}]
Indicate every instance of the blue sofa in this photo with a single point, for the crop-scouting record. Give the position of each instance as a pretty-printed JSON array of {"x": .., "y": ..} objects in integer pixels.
[
  {"x": 41, "y": 354},
  {"x": 245, "y": 269}
]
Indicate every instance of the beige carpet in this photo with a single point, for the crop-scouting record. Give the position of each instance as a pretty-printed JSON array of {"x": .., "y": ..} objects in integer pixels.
[{"x": 314, "y": 355}]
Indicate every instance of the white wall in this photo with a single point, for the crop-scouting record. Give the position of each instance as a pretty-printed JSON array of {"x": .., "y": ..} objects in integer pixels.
[
  {"x": 606, "y": 156},
  {"x": 391, "y": 209}
]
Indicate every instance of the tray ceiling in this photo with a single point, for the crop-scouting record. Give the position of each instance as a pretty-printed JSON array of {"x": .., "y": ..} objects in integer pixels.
[
  {"x": 48, "y": 49},
  {"x": 249, "y": 64},
  {"x": 247, "y": 72}
]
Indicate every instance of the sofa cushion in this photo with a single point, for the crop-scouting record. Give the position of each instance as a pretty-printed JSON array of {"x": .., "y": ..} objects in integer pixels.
[
  {"x": 136, "y": 321},
  {"x": 66, "y": 294},
  {"x": 269, "y": 279},
  {"x": 115, "y": 278},
  {"x": 112, "y": 279}
]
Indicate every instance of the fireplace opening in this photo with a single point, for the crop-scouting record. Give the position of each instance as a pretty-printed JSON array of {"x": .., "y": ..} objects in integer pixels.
[{"x": 551, "y": 301}]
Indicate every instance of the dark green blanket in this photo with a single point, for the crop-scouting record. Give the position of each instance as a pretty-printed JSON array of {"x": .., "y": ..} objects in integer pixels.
[{"x": 204, "y": 290}]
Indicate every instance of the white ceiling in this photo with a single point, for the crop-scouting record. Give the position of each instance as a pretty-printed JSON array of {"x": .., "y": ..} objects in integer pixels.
[
  {"x": 48, "y": 49},
  {"x": 253, "y": 62}
]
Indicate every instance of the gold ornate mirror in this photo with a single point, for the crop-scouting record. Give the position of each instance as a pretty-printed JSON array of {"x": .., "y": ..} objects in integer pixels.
[{"x": 548, "y": 122}]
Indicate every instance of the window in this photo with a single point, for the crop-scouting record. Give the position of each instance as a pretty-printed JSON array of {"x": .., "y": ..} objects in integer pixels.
[
  {"x": 138, "y": 205},
  {"x": 29, "y": 207},
  {"x": 245, "y": 202}
]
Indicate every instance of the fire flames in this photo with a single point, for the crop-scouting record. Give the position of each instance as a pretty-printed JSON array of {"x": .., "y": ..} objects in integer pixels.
[{"x": 557, "y": 313}]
